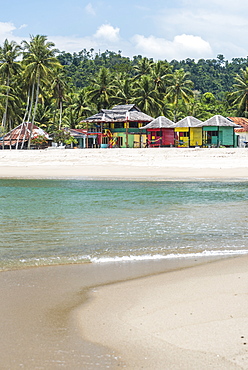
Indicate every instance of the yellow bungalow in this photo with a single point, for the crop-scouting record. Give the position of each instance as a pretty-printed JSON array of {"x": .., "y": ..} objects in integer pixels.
[{"x": 188, "y": 132}]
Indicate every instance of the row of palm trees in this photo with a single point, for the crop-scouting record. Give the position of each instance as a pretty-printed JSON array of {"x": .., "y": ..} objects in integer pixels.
[{"x": 34, "y": 87}]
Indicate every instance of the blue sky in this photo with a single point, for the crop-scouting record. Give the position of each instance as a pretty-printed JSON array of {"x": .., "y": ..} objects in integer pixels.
[{"x": 158, "y": 29}]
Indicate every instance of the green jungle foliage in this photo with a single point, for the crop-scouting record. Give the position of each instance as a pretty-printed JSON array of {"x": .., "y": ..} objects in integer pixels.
[{"x": 55, "y": 89}]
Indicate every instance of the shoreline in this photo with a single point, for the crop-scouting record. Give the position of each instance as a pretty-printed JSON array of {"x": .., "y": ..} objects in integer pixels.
[{"x": 127, "y": 164}]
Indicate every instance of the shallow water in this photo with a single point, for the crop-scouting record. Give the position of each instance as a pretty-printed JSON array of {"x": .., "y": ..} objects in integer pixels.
[{"x": 46, "y": 222}]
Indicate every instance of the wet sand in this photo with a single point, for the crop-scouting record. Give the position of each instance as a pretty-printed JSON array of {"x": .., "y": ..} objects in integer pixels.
[
  {"x": 152, "y": 315},
  {"x": 40, "y": 325}
]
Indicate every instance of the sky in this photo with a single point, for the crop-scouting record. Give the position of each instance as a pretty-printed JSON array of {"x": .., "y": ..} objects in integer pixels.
[{"x": 158, "y": 29}]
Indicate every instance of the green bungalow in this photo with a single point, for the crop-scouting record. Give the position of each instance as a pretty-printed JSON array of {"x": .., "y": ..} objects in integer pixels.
[
  {"x": 188, "y": 132},
  {"x": 218, "y": 131},
  {"x": 120, "y": 126}
]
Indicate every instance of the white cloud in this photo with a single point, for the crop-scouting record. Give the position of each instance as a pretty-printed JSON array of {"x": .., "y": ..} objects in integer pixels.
[
  {"x": 7, "y": 32},
  {"x": 218, "y": 22},
  {"x": 182, "y": 46},
  {"x": 103, "y": 39},
  {"x": 6, "y": 28},
  {"x": 23, "y": 26},
  {"x": 90, "y": 10},
  {"x": 73, "y": 44},
  {"x": 108, "y": 33}
]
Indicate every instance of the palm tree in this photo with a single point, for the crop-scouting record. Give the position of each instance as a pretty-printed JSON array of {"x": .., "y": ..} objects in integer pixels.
[
  {"x": 179, "y": 88},
  {"x": 143, "y": 67},
  {"x": 239, "y": 97},
  {"x": 59, "y": 87},
  {"x": 40, "y": 62},
  {"x": 8, "y": 68},
  {"x": 159, "y": 73},
  {"x": 103, "y": 89},
  {"x": 124, "y": 94},
  {"x": 146, "y": 97},
  {"x": 81, "y": 104}
]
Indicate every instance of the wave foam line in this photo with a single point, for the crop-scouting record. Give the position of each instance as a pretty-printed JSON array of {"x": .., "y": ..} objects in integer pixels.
[{"x": 169, "y": 256}]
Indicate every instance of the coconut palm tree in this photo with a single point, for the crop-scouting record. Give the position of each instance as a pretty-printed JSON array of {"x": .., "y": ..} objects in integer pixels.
[
  {"x": 179, "y": 88},
  {"x": 159, "y": 73},
  {"x": 143, "y": 67},
  {"x": 9, "y": 67},
  {"x": 59, "y": 86},
  {"x": 81, "y": 104},
  {"x": 146, "y": 97},
  {"x": 39, "y": 62},
  {"x": 124, "y": 84},
  {"x": 102, "y": 90},
  {"x": 239, "y": 96}
]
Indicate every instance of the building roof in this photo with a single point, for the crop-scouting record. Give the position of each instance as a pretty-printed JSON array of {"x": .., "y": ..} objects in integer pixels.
[
  {"x": 219, "y": 121},
  {"x": 22, "y": 133},
  {"x": 242, "y": 122},
  {"x": 189, "y": 121},
  {"x": 126, "y": 108},
  {"x": 77, "y": 132},
  {"x": 119, "y": 113},
  {"x": 160, "y": 122}
]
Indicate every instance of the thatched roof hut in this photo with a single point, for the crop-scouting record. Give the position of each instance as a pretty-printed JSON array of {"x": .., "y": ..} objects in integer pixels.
[
  {"x": 160, "y": 122},
  {"x": 188, "y": 121}
]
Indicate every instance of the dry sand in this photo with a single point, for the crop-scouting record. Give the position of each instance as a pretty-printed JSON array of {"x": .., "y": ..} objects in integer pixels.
[
  {"x": 150, "y": 163},
  {"x": 194, "y": 318}
]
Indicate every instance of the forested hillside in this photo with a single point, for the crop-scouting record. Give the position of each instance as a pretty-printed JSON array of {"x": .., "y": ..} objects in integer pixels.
[
  {"x": 208, "y": 75},
  {"x": 56, "y": 89}
]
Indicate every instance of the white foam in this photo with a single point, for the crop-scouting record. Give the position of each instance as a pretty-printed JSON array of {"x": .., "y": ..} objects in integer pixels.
[{"x": 148, "y": 257}]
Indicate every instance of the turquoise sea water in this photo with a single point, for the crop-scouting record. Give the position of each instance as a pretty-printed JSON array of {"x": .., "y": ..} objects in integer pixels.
[{"x": 73, "y": 221}]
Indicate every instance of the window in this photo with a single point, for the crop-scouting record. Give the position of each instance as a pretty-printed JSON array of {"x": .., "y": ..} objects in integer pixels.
[
  {"x": 133, "y": 124},
  {"x": 119, "y": 124}
]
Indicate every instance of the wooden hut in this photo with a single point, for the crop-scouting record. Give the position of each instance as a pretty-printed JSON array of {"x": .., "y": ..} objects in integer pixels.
[
  {"x": 188, "y": 132},
  {"x": 218, "y": 131},
  {"x": 18, "y": 137},
  {"x": 120, "y": 126},
  {"x": 160, "y": 132}
]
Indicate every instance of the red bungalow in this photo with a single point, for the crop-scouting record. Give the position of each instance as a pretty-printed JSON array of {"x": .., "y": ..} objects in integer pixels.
[{"x": 160, "y": 132}]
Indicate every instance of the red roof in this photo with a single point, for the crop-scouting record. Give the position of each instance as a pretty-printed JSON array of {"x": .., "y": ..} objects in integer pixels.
[
  {"x": 22, "y": 133},
  {"x": 241, "y": 121}
]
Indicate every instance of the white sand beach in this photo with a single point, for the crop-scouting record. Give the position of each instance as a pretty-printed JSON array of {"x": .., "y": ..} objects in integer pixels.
[{"x": 149, "y": 163}]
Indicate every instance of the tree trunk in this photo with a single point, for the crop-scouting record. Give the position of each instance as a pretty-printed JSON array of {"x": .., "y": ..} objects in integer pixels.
[
  {"x": 29, "y": 114},
  {"x": 4, "y": 119},
  {"x": 60, "y": 113},
  {"x": 34, "y": 112},
  {"x": 24, "y": 119}
]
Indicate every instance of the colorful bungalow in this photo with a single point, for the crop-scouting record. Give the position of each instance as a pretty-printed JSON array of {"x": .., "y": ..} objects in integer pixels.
[
  {"x": 85, "y": 138},
  {"x": 120, "y": 126},
  {"x": 218, "y": 131},
  {"x": 160, "y": 132},
  {"x": 18, "y": 137},
  {"x": 188, "y": 132},
  {"x": 241, "y": 132}
]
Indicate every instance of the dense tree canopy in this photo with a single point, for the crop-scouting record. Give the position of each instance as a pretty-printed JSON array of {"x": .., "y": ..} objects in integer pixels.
[{"x": 56, "y": 89}]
